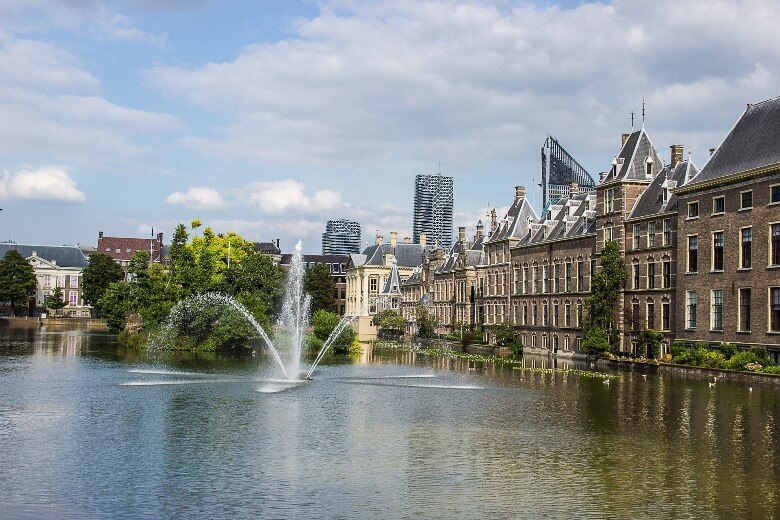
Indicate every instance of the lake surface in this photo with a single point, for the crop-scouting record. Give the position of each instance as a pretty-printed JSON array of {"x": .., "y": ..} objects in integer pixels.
[{"x": 91, "y": 430}]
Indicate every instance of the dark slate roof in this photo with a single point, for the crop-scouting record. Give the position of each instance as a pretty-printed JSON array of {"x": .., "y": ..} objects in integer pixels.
[
  {"x": 652, "y": 199},
  {"x": 407, "y": 255},
  {"x": 634, "y": 154},
  {"x": 393, "y": 283},
  {"x": 515, "y": 222},
  {"x": 268, "y": 248},
  {"x": 754, "y": 142},
  {"x": 414, "y": 279},
  {"x": 553, "y": 223},
  {"x": 65, "y": 256}
]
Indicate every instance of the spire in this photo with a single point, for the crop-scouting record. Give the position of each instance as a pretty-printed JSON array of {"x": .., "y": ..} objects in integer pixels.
[{"x": 643, "y": 113}]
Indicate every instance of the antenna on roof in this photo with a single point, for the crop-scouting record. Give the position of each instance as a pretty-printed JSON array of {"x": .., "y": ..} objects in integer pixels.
[
  {"x": 632, "y": 121},
  {"x": 643, "y": 112}
]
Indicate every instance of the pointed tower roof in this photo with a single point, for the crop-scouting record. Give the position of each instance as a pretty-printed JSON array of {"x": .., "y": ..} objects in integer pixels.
[{"x": 393, "y": 285}]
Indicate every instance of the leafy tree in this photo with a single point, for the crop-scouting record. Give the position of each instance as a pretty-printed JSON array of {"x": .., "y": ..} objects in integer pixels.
[
  {"x": 318, "y": 283},
  {"x": 600, "y": 333},
  {"x": 17, "y": 279},
  {"x": 323, "y": 322},
  {"x": 426, "y": 322},
  {"x": 116, "y": 303},
  {"x": 255, "y": 274},
  {"x": 55, "y": 301},
  {"x": 98, "y": 275},
  {"x": 390, "y": 323}
]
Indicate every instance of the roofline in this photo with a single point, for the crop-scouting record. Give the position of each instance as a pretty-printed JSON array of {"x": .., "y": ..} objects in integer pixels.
[
  {"x": 651, "y": 216},
  {"x": 728, "y": 179},
  {"x": 565, "y": 239}
]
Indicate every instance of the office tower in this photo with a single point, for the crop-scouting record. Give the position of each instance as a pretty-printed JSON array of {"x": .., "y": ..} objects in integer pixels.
[
  {"x": 341, "y": 237},
  {"x": 433, "y": 201},
  {"x": 559, "y": 171}
]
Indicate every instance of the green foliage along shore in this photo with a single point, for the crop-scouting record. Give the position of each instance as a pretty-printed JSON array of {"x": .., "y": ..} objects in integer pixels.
[
  {"x": 137, "y": 304},
  {"x": 728, "y": 357}
]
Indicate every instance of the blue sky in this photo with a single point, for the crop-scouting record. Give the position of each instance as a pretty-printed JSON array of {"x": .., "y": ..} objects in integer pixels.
[{"x": 269, "y": 118}]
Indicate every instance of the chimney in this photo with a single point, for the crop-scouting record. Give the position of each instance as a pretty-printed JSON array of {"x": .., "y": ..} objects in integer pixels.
[
  {"x": 602, "y": 176},
  {"x": 493, "y": 220},
  {"x": 100, "y": 233},
  {"x": 379, "y": 239},
  {"x": 519, "y": 192},
  {"x": 407, "y": 240},
  {"x": 393, "y": 238},
  {"x": 677, "y": 154},
  {"x": 623, "y": 139},
  {"x": 712, "y": 151},
  {"x": 574, "y": 189},
  {"x": 422, "y": 240},
  {"x": 479, "y": 231},
  {"x": 462, "y": 234},
  {"x": 159, "y": 239}
]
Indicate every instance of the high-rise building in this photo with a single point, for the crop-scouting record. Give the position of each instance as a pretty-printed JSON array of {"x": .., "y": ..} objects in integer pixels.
[
  {"x": 341, "y": 237},
  {"x": 433, "y": 201},
  {"x": 559, "y": 170}
]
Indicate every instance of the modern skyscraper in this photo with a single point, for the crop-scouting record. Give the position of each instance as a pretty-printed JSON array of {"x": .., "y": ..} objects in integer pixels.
[
  {"x": 559, "y": 171},
  {"x": 433, "y": 201},
  {"x": 341, "y": 237}
]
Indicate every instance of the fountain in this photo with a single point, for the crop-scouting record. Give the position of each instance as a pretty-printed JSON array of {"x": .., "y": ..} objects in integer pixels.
[{"x": 291, "y": 327}]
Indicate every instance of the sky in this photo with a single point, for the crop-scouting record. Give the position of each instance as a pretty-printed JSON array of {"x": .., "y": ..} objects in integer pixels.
[{"x": 269, "y": 118}]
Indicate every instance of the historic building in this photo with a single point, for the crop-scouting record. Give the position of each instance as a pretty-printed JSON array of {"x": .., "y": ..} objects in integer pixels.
[
  {"x": 728, "y": 246},
  {"x": 55, "y": 266},
  {"x": 367, "y": 275},
  {"x": 337, "y": 266},
  {"x": 122, "y": 249}
]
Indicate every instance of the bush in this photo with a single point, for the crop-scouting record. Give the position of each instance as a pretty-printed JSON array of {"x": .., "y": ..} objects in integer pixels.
[
  {"x": 323, "y": 322},
  {"x": 596, "y": 341},
  {"x": 774, "y": 369},
  {"x": 741, "y": 360},
  {"x": 728, "y": 350},
  {"x": 712, "y": 359}
]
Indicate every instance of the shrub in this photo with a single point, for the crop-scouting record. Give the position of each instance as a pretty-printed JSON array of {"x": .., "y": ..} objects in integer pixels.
[
  {"x": 741, "y": 360},
  {"x": 728, "y": 350},
  {"x": 774, "y": 369},
  {"x": 712, "y": 359}
]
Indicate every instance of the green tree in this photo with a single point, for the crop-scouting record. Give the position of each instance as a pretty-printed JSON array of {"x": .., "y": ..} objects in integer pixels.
[
  {"x": 55, "y": 301},
  {"x": 116, "y": 303},
  {"x": 255, "y": 274},
  {"x": 98, "y": 275},
  {"x": 17, "y": 279},
  {"x": 318, "y": 283},
  {"x": 600, "y": 332},
  {"x": 323, "y": 322},
  {"x": 390, "y": 323},
  {"x": 426, "y": 322}
]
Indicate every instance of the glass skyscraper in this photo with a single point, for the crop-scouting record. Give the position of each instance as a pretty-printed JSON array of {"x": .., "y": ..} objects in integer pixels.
[
  {"x": 341, "y": 237},
  {"x": 433, "y": 202}
]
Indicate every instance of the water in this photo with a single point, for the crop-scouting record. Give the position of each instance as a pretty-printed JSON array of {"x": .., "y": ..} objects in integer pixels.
[{"x": 91, "y": 430}]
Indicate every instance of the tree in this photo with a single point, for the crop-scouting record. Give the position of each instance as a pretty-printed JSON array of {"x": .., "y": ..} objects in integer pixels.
[
  {"x": 55, "y": 301},
  {"x": 17, "y": 278},
  {"x": 426, "y": 322},
  {"x": 323, "y": 322},
  {"x": 255, "y": 274},
  {"x": 101, "y": 272},
  {"x": 607, "y": 284},
  {"x": 116, "y": 303},
  {"x": 390, "y": 323},
  {"x": 318, "y": 283}
]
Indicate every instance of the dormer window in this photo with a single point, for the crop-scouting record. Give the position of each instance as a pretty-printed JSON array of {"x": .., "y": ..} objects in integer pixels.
[
  {"x": 649, "y": 166},
  {"x": 613, "y": 170}
]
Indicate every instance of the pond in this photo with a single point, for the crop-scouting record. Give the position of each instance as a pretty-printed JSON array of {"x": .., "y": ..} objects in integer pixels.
[{"x": 91, "y": 430}]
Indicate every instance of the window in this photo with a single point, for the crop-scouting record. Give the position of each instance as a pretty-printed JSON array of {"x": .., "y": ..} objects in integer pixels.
[
  {"x": 651, "y": 316},
  {"x": 693, "y": 254},
  {"x": 746, "y": 248},
  {"x": 566, "y": 314},
  {"x": 717, "y": 251},
  {"x": 667, "y": 274},
  {"x": 774, "y": 246},
  {"x": 545, "y": 314},
  {"x": 581, "y": 276},
  {"x": 546, "y": 278},
  {"x": 533, "y": 340},
  {"x": 47, "y": 280},
  {"x": 774, "y": 194},
  {"x": 744, "y": 310},
  {"x": 774, "y": 309},
  {"x": 690, "y": 307},
  {"x": 372, "y": 284},
  {"x": 667, "y": 231},
  {"x": 636, "y": 276},
  {"x": 516, "y": 280},
  {"x": 609, "y": 204},
  {"x": 73, "y": 298},
  {"x": 61, "y": 280},
  {"x": 525, "y": 314},
  {"x": 579, "y": 315},
  {"x": 74, "y": 282},
  {"x": 536, "y": 279},
  {"x": 651, "y": 275},
  {"x": 526, "y": 281},
  {"x": 637, "y": 235},
  {"x": 651, "y": 234},
  {"x": 608, "y": 235},
  {"x": 635, "y": 316},
  {"x": 569, "y": 273},
  {"x": 693, "y": 209},
  {"x": 555, "y": 315},
  {"x": 566, "y": 343},
  {"x": 665, "y": 314},
  {"x": 746, "y": 200},
  {"x": 534, "y": 315},
  {"x": 557, "y": 282},
  {"x": 718, "y": 205},
  {"x": 716, "y": 322}
]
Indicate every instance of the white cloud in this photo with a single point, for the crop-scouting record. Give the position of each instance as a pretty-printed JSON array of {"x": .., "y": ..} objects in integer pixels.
[
  {"x": 198, "y": 197},
  {"x": 47, "y": 183},
  {"x": 287, "y": 195}
]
